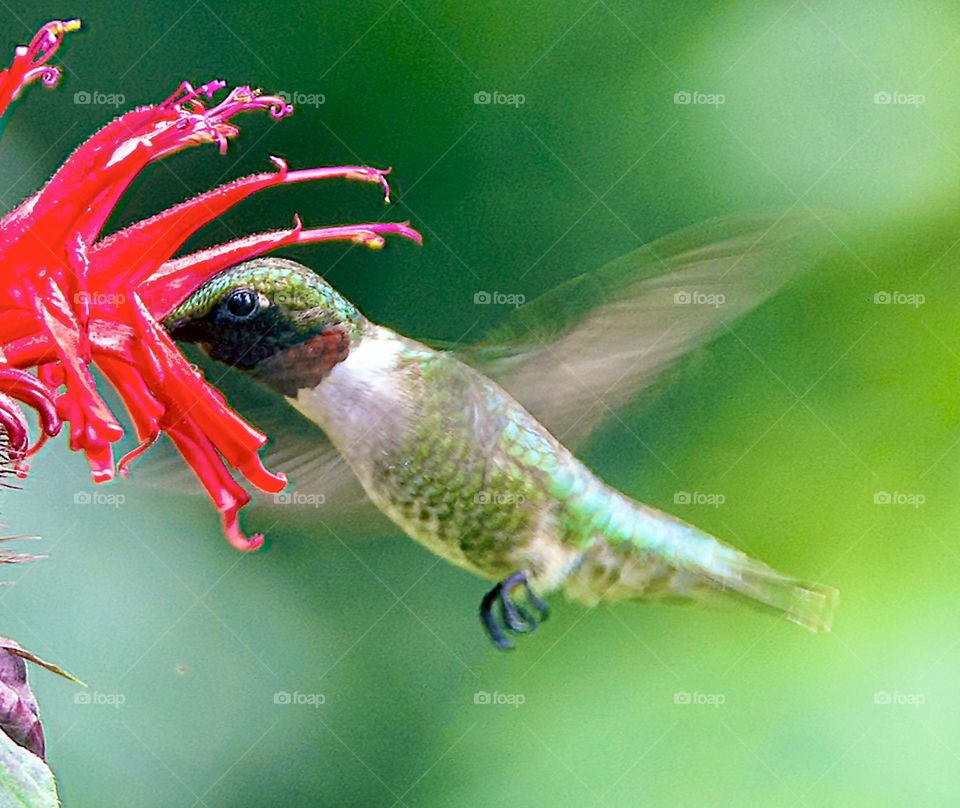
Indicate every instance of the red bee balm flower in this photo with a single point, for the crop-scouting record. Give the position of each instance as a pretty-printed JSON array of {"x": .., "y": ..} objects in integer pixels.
[{"x": 71, "y": 298}]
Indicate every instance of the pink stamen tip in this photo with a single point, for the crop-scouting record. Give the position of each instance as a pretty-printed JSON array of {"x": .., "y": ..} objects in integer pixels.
[
  {"x": 368, "y": 238},
  {"x": 356, "y": 173},
  {"x": 211, "y": 88},
  {"x": 401, "y": 229},
  {"x": 384, "y": 184},
  {"x": 376, "y": 175},
  {"x": 49, "y": 76},
  {"x": 234, "y": 535},
  {"x": 123, "y": 467},
  {"x": 370, "y": 234},
  {"x": 46, "y": 41},
  {"x": 277, "y": 107},
  {"x": 404, "y": 229}
]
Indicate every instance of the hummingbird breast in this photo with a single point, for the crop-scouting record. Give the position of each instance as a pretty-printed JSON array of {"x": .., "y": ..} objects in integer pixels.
[
  {"x": 430, "y": 440},
  {"x": 464, "y": 469}
]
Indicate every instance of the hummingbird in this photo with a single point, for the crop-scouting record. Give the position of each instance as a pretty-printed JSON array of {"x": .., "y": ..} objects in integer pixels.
[{"x": 472, "y": 472}]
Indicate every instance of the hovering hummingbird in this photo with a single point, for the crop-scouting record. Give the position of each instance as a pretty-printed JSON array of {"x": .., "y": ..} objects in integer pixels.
[{"x": 463, "y": 467}]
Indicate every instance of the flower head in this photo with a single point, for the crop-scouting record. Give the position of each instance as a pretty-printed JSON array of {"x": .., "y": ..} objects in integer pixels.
[{"x": 72, "y": 298}]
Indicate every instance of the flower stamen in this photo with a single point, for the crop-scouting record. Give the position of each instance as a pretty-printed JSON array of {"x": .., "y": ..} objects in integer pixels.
[
  {"x": 72, "y": 301},
  {"x": 30, "y": 61}
]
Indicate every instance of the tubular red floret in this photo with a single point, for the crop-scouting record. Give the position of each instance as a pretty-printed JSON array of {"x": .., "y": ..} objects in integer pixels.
[{"x": 72, "y": 300}]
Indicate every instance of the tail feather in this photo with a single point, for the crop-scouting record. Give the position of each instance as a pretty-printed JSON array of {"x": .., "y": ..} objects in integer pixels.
[
  {"x": 807, "y": 604},
  {"x": 652, "y": 555}
]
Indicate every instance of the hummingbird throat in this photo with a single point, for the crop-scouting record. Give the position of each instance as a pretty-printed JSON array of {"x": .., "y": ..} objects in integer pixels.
[{"x": 305, "y": 364}]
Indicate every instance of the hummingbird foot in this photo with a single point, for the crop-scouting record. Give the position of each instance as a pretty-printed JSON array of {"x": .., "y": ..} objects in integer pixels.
[{"x": 514, "y": 617}]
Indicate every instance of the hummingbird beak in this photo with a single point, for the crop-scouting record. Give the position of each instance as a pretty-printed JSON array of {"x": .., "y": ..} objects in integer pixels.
[{"x": 173, "y": 326}]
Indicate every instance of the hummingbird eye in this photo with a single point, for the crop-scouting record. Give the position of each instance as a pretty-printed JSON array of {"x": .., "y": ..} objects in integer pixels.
[{"x": 242, "y": 304}]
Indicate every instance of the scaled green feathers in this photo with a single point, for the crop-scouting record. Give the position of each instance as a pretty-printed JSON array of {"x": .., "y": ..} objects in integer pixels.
[{"x": 463, "y": 468}]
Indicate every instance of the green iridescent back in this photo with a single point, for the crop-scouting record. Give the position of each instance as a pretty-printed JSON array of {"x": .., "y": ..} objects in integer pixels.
[{"x": 472, "y": 476}]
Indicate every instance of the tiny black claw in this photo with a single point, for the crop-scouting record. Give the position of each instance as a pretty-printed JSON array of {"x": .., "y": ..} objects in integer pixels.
[
  {"x": 514, "y": 617},
  {"x": 538, "y": 603},
  {"x": 490, "y": 622}
]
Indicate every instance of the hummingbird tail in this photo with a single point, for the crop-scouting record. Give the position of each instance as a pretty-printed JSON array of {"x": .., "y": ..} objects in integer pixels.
[
  {"x": 650, "y": 555},
  {"x": 807, "y": 604}
]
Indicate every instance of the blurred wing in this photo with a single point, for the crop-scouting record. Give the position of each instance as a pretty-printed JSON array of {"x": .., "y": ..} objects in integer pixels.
[
  {"x": 572, "y": 356},
  {"x": 577, "y": 353}
]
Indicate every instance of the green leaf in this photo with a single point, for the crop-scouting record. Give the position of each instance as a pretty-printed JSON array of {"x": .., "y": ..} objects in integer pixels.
[{"x": 25, "y": 780}]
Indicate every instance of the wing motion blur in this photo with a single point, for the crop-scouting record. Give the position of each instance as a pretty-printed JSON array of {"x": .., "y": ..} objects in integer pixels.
[
  {"x": 577, "y": 353},
  {"x": 571, "y": 357}
]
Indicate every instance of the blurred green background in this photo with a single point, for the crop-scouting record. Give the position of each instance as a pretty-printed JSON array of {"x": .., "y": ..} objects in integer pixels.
[{"x": 822, "y": 402}]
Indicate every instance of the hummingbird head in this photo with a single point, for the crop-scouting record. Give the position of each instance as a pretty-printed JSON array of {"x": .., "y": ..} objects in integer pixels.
[{"x": 272, "y": 317}]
